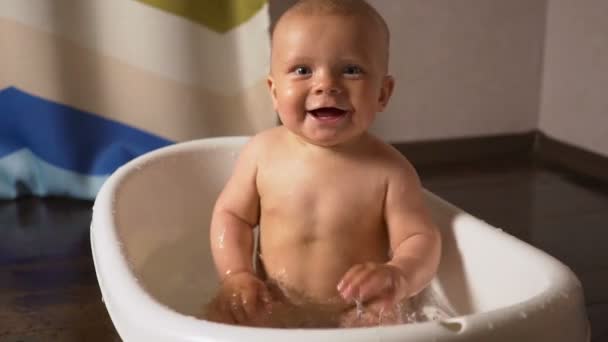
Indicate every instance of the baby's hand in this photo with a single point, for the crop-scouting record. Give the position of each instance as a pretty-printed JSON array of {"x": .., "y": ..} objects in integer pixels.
[
  {"x": 243, "y": 299},
  {"x": 381, "y": 283}
]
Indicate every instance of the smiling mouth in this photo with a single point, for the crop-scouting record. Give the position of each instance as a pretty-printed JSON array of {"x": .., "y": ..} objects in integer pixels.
[{"x": 328, "y": 113}]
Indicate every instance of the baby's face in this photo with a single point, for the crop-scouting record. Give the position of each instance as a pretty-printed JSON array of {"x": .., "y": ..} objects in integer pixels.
[{"x": 328, "y": 77}]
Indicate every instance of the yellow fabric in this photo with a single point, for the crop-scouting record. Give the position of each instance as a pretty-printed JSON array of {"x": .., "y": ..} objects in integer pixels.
[{"x": 217, "y": 15}]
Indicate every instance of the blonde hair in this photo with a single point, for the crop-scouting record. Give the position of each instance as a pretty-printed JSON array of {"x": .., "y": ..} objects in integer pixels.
[{"x": 338, "y": 7}]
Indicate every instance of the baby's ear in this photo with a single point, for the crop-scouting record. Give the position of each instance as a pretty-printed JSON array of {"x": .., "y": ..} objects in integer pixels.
[
  {"x": 388, "y": 84},
  {"x": 273, "y": 91}
]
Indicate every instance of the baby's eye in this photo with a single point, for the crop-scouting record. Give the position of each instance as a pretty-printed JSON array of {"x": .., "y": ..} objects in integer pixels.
[
  {"x": 353, "y": 70},
  {"x": 302, "y": 70}
]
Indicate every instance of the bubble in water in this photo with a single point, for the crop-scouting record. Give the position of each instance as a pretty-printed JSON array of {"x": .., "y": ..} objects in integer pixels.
[{"x": 523, "y": 315}]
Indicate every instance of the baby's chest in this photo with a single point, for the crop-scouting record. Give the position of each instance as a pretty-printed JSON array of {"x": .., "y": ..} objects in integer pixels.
[{"x": 321, "y": 194}]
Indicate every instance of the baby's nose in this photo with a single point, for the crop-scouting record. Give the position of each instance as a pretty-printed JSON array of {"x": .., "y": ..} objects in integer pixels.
[{"x": 328, "y": 84}]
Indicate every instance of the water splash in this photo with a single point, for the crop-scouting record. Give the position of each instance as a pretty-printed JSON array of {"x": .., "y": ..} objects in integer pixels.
[{"x": 359, "y": 305}]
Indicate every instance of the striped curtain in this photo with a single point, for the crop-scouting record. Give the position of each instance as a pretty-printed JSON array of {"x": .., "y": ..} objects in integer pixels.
[{"x": 87, "y": 85}]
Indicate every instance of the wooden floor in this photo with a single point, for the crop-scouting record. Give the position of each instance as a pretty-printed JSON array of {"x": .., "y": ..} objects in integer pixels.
[{"x": 48, "y": 290}]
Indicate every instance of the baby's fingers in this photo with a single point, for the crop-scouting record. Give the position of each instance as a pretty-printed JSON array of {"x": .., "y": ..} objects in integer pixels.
[
  {"x": 219, "y": 311},
  {"x": 236, "y": 308},
  {"x": 351, "y": 281},
  {"x": 250, "y": 301},
  {"x": 265, "y": 298},
  {"x": 378, "y": 285}
]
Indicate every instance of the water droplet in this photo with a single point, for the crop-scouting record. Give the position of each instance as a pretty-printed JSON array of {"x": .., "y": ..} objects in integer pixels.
[
  {"x": 523, "y": 315},
  {"x": 490, "y": 325},
  {"x": 220, "y": 239}
]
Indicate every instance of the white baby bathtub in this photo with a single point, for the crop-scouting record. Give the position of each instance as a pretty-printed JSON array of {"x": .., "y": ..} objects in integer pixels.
[{"x": 149, "y": 237}]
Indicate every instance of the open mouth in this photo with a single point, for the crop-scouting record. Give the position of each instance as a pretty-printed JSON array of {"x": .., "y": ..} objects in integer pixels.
[{"x": 328, "y": 113}]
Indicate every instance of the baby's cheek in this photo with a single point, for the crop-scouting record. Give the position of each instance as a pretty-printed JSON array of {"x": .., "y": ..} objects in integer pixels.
[{"x": 289, "y": 92}]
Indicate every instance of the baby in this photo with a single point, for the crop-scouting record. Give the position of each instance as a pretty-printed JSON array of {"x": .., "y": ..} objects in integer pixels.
[{"x": 342, "y": 219}]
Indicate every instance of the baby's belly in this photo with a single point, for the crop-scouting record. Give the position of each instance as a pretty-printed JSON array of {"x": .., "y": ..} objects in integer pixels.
[
  {"x": 313, "y": 275},
  {"x": 310, "y": 270}
]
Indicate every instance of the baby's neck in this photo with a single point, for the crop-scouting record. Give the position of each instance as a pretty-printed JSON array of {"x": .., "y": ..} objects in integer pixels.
[{"x": 352, "y": 145}]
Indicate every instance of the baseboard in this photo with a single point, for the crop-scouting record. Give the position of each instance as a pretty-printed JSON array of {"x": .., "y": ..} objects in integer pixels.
[
  {"x": 533, "y": 146},
  {"x": 423, "y": 153},
  {"x": 572, "y": 158}
]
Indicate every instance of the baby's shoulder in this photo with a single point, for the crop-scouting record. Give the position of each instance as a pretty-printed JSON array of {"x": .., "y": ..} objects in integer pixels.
[
  {"x": 386, "y": 155},
  {"x": 269, "y": 137},
  {"x": 263, "y": 143},
  {"x": 391, "y": 161},
  {"x": 265, "y": 139}
]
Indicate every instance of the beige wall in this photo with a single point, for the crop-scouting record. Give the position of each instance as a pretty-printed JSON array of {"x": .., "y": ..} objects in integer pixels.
[
  {"x": 575, "y": 83},
  {"x": 463, "y": 68}
]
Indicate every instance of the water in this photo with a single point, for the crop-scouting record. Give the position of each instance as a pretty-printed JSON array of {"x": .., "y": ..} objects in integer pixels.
[
  {"x": 360, "y": 308},
  {"x": 308, "y": 314}
]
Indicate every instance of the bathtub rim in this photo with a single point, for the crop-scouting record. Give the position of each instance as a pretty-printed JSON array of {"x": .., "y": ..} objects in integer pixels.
[{"x": 112, "y": 261}]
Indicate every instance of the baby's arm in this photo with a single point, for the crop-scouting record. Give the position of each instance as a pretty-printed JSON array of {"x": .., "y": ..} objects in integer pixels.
[
  {"x": 235, "y": 215},
  {"x": 414, "y": 240}
]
